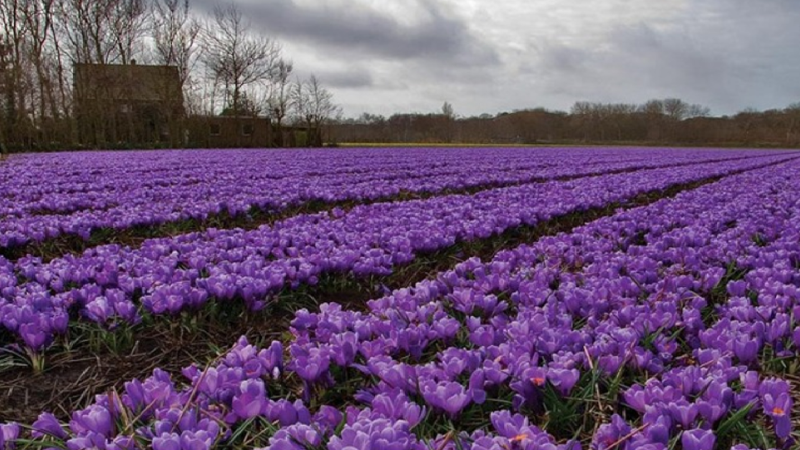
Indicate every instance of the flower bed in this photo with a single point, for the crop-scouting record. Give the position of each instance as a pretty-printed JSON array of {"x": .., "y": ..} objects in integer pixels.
[{"x": 666, "y": 326}]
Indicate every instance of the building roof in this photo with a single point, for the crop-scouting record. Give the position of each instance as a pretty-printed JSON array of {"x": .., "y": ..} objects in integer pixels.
[{"x": 132, "y": 82}]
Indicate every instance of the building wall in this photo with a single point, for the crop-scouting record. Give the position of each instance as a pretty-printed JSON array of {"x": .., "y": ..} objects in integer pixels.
[
  {"x": 229, "y": 132},
  {"x": 240, "y": 132}
]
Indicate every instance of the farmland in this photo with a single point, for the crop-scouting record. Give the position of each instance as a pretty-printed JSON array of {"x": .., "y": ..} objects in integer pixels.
[{"x": 407, "y": 298}]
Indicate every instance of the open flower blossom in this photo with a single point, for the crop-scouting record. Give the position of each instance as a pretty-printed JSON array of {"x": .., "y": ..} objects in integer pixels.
[
  {"x": 777, "y": 401},
  {"x": 698, "y": 439},
  {"x": 449, "y": 397}
]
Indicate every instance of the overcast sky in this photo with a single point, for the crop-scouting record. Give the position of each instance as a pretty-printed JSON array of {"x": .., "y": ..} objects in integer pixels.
[{"x": 386, "y": 56}]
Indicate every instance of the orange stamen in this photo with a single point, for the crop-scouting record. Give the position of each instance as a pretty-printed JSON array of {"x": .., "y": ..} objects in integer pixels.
[
  {"x": 778, "y": 411},
  {"x": 519, "y": 437},
  {"x": 539, "y": 381}
]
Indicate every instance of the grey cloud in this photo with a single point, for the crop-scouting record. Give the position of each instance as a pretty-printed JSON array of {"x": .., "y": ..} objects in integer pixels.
[
  {"x": 726, "y": 66},
  {"x": 507, "y": 54},
  {"x": 347, "y": 79},
  {"x": 692, "y": 60},
  {"x": 670, "y": 60},
  {"x": 354, "y": 28},
  {"x": 561, "y": 58}
]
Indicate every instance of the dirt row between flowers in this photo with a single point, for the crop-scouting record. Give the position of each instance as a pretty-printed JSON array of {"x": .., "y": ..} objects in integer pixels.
[
  {"x": 89, "y": 365},
  {"x": 134, "y": 236}
]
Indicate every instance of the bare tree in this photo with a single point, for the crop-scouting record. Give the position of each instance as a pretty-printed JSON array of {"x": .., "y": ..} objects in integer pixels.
[
  {"x": 696, "y": 110},
  {"x": 449, "y": 116},
  {"x": 745, "y": 121},
  {"x": 314, "y": 107},
  {"x": 280, "y": 99},
  {"x": 448, "y": 111},
  {"x": 175, "y": 33},
  {"x": 793, "y": 115},
  {"x": 4, "y": 93},
  {"x": 129, "y": 26},
  {"x": 14, "y": 42},
  {"x": 236, "y": 57},
  {"x": 675, "y": 108},
  {"x": 104, "y": 31},
  {"x": 49, "y": 104}
]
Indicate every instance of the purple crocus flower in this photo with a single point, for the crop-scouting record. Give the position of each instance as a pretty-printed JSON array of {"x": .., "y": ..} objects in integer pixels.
[
  {"x": 134, "y": 396},
  {"x": 167, "y": 441},
  {"x": 122, "y": 442},
  {"x": 252, "y": 401},
  {"x": 99, "y": 310},
  {"x": 745, "y": 349},
  {"x": 711, "y": 412},
  {"x": 683, "y": 412},
  {"x": 394, "y": 374},
  {"x": 47, "y": 424},
  {"x": 636, "y": 398},
  {"x": 35, "y": 336},
  {"x": 304, "y": 435},
  {"x": 328, "y": 417},
  {"x": 476, "y": 387},
  {"x": 448, "y": 396},
  {"x": 310, "y": 368},
  {"x": 8, "y": 435},
  {"x": 196, "y": 440},
  {"x": 396, "y": 405},
  {"x": 778, "y": 405},
  {"x": 658, "y": 431},
  {"x": 89, "y": 440},
  {"x": 509, "y": 426},
  {"x": 610, "y": 433},
  {"x": 282, "y": 412},
  {"x": 698, "y": 439},
  {"x": 563, "y": 380},
  {"x": 282, "y": 441},
  {"x": 750, "y": 386},
  {"x": 275, "y": 359},
  {"x": 380, "y": 434},
  {"x": 94, "y": 419}
]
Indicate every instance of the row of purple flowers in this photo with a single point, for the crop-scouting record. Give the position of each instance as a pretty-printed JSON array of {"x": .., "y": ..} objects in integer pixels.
[
  {"x": 88, "y": 191},
  {"x": 689, "y": 299}
]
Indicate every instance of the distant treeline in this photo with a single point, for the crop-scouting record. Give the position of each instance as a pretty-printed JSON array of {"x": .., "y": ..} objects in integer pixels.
[{"x": 657, "y": 122}]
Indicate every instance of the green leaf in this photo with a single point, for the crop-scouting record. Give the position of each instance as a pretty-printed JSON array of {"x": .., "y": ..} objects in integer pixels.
[{"x": 729, "y": 423}]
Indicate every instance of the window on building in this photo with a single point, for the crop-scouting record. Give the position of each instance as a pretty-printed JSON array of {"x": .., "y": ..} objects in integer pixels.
[
  {"x": 214, "y": 129},
  {"x": 247, "y": 129}
]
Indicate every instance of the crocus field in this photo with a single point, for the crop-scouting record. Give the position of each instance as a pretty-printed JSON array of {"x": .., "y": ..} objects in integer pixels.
[{"x": 410, "y": 298}]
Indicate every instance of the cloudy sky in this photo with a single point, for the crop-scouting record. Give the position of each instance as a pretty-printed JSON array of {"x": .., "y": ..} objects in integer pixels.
[{"x": 386, "y": 56}]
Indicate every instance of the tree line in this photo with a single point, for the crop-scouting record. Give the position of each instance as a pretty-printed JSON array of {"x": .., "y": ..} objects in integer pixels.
[
  {"x": 668, "y": 121},
  {"x": 224, "y": 65}
]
